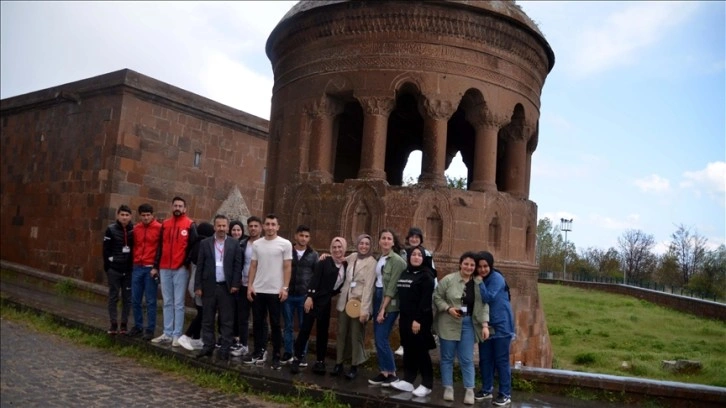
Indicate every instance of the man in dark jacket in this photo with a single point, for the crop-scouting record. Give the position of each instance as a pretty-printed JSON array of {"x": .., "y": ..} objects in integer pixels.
[
  {"x": 117, "y": 262},
  {"x": 304, "y": 259},
  {"x": 217, "y": 280}
]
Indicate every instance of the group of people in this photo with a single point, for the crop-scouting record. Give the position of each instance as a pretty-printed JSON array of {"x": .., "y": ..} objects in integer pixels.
[{"x": 234, "y": 274}]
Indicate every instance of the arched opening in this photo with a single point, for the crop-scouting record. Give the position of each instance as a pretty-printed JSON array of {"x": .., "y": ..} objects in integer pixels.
[
  {"x": 405, "y": 134},
  {"x": 347, "y": 144},
  {"x": 460, "y": 140},
  {"x": 412, "y": 171}
]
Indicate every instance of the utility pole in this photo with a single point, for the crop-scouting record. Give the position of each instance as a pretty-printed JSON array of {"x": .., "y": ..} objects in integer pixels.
[{"x": 565, "y": 225}]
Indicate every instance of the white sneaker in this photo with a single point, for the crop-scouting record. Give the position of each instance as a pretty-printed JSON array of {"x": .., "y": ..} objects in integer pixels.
[
  {"x": 402, "y": 385},
  {"x": 399, "y": 351},
  {"x": 239, "y": 351},
  {"x": 175, "y": 342},
  {"x": 469, "y": 396},
  {"x": 197, "y": 344},
  {"x": 186, "y": 342},
  {"x": 161, "y": 339},
  {"x": 421, "y": 391},
  {"x": 448, "y": 393}
]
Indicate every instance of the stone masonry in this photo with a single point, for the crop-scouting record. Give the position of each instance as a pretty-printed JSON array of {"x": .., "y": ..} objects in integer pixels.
[{"x": 73, "y": 153}]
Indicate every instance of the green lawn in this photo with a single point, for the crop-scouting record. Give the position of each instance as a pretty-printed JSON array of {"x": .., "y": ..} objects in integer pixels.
[{"x": 598, "y": 332}]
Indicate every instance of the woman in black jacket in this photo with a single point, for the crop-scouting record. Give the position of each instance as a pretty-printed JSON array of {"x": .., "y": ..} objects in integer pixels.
[
  {"x": 415, "y": 289},
  {"x": 328, "y": 277}
]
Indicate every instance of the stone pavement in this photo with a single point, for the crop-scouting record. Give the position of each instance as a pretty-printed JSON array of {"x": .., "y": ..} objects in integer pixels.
[
  {"x": 91, "y": 315},
  {"x": 44, "y": 370}
]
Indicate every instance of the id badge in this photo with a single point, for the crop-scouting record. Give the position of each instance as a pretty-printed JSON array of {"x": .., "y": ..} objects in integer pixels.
[
  {"x": 352, "y": 284},
  {"x": 219, "y": 263},
  {"x": 126, "y": 250}
]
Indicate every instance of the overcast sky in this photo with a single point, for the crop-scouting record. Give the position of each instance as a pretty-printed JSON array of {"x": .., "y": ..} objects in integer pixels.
[{"x": 633, "y": 116}]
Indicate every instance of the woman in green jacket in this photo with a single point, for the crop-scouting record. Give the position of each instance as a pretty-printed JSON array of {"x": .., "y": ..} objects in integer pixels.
[
  {"x": 385, "y": 305},
  {"x": 461, "y": 321}
]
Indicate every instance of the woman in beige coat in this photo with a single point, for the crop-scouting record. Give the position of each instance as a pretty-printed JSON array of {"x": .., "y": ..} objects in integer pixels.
[{"x": 359, "y": 281}]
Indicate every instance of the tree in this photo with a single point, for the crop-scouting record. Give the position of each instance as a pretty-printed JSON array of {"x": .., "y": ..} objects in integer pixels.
[
  {"x": 635, "y": 251},
  {"x": 457, "y": 182},
  {"x": 710, "y": 281},
  {"x": 689, "y": 249},
  {"x": 550, "y": 249}
]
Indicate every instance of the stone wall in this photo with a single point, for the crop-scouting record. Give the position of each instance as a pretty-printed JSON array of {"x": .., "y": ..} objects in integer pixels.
[{"x": 74, "y": 153}]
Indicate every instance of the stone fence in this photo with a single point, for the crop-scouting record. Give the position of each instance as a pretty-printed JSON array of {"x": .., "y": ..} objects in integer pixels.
[{"x": 698, "y": 307}]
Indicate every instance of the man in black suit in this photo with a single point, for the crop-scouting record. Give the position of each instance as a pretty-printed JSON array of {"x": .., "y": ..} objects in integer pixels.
[{"x": 218, "y": 278}]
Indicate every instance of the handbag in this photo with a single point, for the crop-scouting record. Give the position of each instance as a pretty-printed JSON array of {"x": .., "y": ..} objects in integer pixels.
[{"x": 352, "y": 308}]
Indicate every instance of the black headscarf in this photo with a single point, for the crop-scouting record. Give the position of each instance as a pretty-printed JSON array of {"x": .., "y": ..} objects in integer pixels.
[
  {"x": 418, "y": 268},
  {"x": 487, "y": 256}
]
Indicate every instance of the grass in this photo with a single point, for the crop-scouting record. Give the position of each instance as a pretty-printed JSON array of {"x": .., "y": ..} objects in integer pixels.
[
  {"x": 226, "y": 382},
  {"x": 606, "y": 333}
]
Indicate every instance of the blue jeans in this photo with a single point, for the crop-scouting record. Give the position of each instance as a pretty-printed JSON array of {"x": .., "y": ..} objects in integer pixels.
[
  {"x": 464, "y": 350},
  {"x": 494, "y": 354},
  {"x": 293, "y": 306},
  {"x": 382, "y": 333},
  {"x": 173, "y": 289},
  {"x": 142, "y": 284}
]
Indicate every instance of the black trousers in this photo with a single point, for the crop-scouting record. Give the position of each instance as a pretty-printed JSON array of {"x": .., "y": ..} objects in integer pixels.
[
  {"x": 264, "y": 304},
  {"x": 119, "y": 281},
  {"x": 416, "y": 357},
  {"x": 244, "y": 310},
  {"x": 195, "y": 327},
  {"x": 223, "y": 302},
  {"x": 321, "y": 314}
]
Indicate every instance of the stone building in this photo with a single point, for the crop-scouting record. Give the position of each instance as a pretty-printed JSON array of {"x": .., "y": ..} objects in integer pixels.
[
  {"x": 360, "y": 85},
  {"x": 73, "y": 153}
]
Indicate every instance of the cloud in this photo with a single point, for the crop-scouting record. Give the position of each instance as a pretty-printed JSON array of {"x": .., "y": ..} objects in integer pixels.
[
  {"x": 621, "y": 36},
  {"x": 232, "y": 83},
  {"x": 631, "y": 221},
  {"x": 711, "y": 180},
  {"x": 653, "y": 183}
]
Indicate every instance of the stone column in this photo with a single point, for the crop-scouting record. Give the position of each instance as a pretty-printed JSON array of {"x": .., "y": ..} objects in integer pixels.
[
  {"x": 322, "y": 113},
  {"x": 516, "y": 163},
  {"x": 375, "y": 127},
  {"x": 436, "y": 115},
  {"x": 485, "y": 149}
]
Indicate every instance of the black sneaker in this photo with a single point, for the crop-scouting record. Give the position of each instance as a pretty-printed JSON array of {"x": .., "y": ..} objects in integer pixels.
[
  {"x": 135, "y": 331},
  {"x": 148, "y": 336},
  {"x": 123, "y": 329},
  {"x": 337, "y": 370},
  {"x": 276, "y": 363},
  {"x": 481, "y": 395},
  {"x": 286, "y": 358},
  {"x": 352, "y": 373},
  {"x": 303, "y": 362},
  {"x": 319, "y": 368},
  {"x": 254, "y": 358},
  {"x": 377, "y": 380},
  {"x": 113, "y": 330},
  {"x": 295, "y": 366},
  {"x": 390, "y": 379},
  {"x": 502, "y": 400}
]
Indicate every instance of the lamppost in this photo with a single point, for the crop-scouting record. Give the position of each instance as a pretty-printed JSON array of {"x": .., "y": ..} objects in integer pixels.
[{"x": 565, "y": 225}]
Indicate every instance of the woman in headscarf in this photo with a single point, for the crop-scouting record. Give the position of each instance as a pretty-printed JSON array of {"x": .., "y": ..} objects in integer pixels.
[
  {"x": 327, "y": 281},
  {"x": 494, "y": 351},
  {"x": 461, "y": 321},
  {"x": 359, "y": 280},
  {"x": 415, "y": 288}
]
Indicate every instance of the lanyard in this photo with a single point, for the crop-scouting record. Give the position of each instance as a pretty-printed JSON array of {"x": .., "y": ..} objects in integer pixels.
[{"x": 220, "y": 249}]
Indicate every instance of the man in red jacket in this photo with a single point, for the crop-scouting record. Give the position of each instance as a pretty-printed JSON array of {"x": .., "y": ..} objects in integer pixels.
[
  {"x": 144, "y": 276},
  {"x": 178, "y": 232}
]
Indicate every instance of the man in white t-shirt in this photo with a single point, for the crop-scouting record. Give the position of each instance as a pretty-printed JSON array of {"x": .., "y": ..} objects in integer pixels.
[{"x": 269, "y": 278}]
